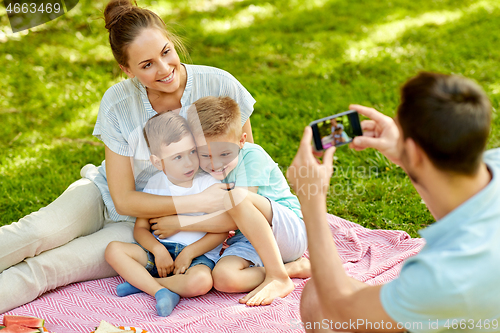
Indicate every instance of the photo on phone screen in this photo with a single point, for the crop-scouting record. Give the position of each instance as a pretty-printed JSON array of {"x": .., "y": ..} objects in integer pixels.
[{"x": 336, "y": 130}]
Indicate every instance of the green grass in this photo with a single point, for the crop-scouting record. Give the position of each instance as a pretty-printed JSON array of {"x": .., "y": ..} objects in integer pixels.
[{"x": 300, "y": 59}]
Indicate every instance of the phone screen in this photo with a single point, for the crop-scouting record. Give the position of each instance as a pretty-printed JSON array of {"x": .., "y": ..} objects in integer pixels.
[{"x": 335, "y": 131}]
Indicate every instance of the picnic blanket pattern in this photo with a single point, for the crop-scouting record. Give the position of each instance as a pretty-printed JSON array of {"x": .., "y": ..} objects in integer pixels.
[{"x": 371, "y": 256}]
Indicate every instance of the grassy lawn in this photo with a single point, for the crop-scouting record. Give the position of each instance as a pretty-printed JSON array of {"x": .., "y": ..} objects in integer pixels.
[{"x": 300, "y": 59}]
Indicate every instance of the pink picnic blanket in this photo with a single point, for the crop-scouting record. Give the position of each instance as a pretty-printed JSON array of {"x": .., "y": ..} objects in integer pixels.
[{"x": 371, "y": 256}]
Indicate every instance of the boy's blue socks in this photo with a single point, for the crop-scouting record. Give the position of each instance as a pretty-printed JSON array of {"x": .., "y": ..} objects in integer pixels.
[
  {"x": 125, "y": 289},
  {"x": 166, "y": 301}
]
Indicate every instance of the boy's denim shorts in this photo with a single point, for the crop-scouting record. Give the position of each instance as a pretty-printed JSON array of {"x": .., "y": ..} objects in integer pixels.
[
  {"x": 240, "y": 246},
  {"x": 174, "y": 249}
]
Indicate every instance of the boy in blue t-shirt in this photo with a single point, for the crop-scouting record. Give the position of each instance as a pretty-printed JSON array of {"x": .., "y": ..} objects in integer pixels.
[{"x": 268, "y": 216}]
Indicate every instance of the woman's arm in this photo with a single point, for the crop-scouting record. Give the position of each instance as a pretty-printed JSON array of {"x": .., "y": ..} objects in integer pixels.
[{"x": 130, "y": 202}]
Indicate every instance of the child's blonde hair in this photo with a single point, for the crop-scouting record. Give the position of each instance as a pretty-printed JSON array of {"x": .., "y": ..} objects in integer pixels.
[
  {"x": 164, "y": 129},
  {"x": 214, "y": 117}
]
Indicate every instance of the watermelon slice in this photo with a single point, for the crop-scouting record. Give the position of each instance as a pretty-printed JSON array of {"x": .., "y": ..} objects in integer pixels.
[
  {"x": 32, "y": 322},
  {"x": 19, "y": 329}
]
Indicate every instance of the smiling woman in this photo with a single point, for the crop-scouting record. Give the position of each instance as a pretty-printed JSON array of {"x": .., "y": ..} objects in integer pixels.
[
  {"x": 158, "y": 68},
  {"x": 65, "y": 241}
]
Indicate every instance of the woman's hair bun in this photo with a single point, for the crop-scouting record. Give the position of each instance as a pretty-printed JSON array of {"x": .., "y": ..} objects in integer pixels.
[
  {"x": 115, "y": 10},
  {"x": 125, "y": 21}
]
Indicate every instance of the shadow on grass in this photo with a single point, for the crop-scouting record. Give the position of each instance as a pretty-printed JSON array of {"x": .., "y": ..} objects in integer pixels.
[{"x": 39, "y": 180}]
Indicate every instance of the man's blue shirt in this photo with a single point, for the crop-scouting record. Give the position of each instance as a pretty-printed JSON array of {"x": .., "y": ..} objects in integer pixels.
[{"x": 456, "y": 276}]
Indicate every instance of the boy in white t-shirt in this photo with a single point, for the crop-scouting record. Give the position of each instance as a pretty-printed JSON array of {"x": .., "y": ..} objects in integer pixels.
[{"x": 189, "y": 256}]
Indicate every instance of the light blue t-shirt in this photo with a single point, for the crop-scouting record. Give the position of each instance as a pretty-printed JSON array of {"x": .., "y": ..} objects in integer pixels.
[
  {"x": 125, "y": 108},
  {"x": 457, "y": 273},
  {"x": 256, "y": 168}
]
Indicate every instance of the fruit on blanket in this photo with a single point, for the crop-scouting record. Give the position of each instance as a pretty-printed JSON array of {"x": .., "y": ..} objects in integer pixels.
[
  {"x": 32, "y": 322},
  {"x": 19, "y": 329},
  {"x": 105, "y": 327}
]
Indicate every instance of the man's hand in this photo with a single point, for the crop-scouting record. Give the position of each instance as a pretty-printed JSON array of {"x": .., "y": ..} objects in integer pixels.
[
  {"x": 165, "y": 226},
  {"x": 183, "y": 261},
  {"x": 307, "y": 176},
  {"x": 380, "y": 132},
  {"x": 163, "y": 261}
]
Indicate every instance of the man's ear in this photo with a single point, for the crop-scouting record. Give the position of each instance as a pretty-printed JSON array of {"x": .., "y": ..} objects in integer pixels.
[
  {"x": 416, "y": 155},
  {"x": 127, "y": 71},
  {"x": 243, "y": 139},
  {"x": 156, "y": 161}
]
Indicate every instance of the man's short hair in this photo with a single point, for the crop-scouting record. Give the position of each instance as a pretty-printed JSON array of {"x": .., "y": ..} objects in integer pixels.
[
  {"x": 214, "y": 117},
  {"x": 163, "y": 129},
  {"x": 449, "y": 117}
]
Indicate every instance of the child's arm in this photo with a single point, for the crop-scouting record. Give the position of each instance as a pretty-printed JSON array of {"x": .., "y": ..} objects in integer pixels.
[
  {"x": 217, "y": 222},
  {"x": 163, "y": 259},
  {"x": 202, "y": 246},
  {"x": 168, "y": 226},
  {"x": 253, "y": 189}
]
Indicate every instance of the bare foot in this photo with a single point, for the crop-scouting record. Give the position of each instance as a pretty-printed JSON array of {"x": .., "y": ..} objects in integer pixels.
[
  {"x": 267, "y": 291},
  {"x": 300, "y": 268}
]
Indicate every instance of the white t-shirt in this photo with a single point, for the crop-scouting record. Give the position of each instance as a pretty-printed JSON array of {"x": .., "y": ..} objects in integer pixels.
[{"x": 160, "y": 185}]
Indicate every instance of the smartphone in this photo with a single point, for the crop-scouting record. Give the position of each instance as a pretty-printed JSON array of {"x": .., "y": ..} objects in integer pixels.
[{"x": 336, "y": 130}]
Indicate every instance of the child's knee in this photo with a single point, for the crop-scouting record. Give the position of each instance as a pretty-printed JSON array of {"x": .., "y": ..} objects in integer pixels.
[
  {"x": 199, "y": 284},
  {"x": 225, "y": 280},
  {"x": 112, "y": 250}
]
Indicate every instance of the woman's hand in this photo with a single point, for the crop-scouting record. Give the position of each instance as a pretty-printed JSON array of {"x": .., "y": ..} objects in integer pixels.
[
  {"x": 307, "y": 176},
  {"x": 380, "y": 132},
  {"x": 212, "y": 198},
  {"x": 163, "y": 261},
  {"x": 165, "y": 226},
  {"x": 183, "y": 261}
]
